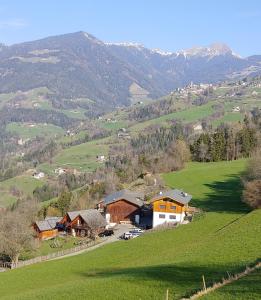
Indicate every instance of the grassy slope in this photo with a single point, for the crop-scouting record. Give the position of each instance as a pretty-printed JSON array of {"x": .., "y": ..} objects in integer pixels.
[
  {"x": 145, "y": 267},
  {"x": 81, "y": 157},
  {"x": 247, "y": 288},
  {"x": 24, "y": 183},
  {"x": 26, "y": 131}
]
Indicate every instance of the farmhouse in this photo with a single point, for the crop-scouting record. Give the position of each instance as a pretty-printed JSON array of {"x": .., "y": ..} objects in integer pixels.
[
  {"x": 170, "y": 206},
  {"x": 123, "y": 206},
  {"x": 46, "y": 229},
  {"x": 80, "y": 223}
]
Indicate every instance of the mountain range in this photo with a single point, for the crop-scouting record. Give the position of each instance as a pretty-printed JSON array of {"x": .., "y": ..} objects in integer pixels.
[{"x": 78, "y": 65}]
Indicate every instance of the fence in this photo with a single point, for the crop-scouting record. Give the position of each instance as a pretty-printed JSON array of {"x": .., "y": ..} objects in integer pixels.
[{"x": 9, "y": 265}]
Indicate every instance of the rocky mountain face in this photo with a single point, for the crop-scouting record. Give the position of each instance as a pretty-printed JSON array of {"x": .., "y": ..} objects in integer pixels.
[{"x": 78, "y": 65}]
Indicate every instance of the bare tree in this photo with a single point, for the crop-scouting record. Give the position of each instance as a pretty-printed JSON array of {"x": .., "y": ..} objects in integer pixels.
[
  {"x": 96, "y": 224},
  {"x": 16, "y": 233},
  {"x": 252, "y": 181},
  {"x": 252, "y": 193}
]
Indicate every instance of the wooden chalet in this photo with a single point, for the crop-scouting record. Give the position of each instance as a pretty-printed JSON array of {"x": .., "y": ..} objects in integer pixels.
[
  {"x": 170, "y": 206},
  {"x": 47, "y": 228},
  {"x": 80, "y": 223},
  {"x": 123, "y": 206}
]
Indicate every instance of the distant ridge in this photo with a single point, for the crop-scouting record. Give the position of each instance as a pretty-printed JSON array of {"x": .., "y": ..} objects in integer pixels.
[{"x": 78, "y": 65}]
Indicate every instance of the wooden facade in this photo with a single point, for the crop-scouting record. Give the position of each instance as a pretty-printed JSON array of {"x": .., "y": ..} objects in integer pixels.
[
  {"x": 122, "y": 211},
  {"x": 45, "y": 234},
  {"x": 167, "y": 205}
]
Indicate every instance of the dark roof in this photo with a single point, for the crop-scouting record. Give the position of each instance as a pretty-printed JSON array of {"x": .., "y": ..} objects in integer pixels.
[
  {"x": 175, "y": 194},
  {"x": 48, "y": 223},
  {"x": 53, "y": 220},
  {"x": 73, "y": 214},
  {"x": 133, "y": 197},
  {"x": 93, "y": 214},
  {"x": 87, "y": 215}
]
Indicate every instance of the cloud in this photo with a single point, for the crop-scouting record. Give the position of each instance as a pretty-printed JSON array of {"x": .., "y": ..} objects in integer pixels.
[{"x": 12, "y": 23}]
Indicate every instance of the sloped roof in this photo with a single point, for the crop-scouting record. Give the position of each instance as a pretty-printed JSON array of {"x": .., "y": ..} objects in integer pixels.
[
  {"x": 175, "y": 194},
  {"x": 92, "y": 214},
  {"x": 53, "y": 220},
  {"x": 133, "y": 197},
  {"x": 73, "y": 214}
]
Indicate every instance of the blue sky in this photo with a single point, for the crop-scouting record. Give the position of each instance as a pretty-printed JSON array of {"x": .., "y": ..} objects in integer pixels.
[{"x": 167, "y": 24}]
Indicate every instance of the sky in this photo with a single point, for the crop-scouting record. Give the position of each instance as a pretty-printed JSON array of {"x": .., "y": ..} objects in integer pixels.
[{"x": 170, "y": 25}]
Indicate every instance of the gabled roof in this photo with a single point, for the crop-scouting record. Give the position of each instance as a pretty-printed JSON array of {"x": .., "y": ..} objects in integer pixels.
[
  {"x": 175, "y": 194},
  {"x": 73, "y": 214},
  {"x": 133, "y": 197},
  {"x": 93, "y": 214},
  {"x": 53, "y": 220},
  {"x": 47, "y": 224}
]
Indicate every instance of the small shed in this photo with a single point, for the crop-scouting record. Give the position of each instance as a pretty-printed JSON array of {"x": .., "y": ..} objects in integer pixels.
[{"x": 46, "y": 229}]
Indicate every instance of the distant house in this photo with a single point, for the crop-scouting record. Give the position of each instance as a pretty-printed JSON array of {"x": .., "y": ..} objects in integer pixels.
[
  {"x": 236, "y": 109},
  {"x": 170, "y": 206},
  {"x": 197, "y": 127},
  {"x": 123, "y": 206},
  {"x": 46, "y": 229},
  {"x": 122, "y": 133},
  {"x": 59, "y": 171},
  {"x": 38, "y": 175},
  {"x": 100, "y": 158},
  {"x": 79, "y": 223}
]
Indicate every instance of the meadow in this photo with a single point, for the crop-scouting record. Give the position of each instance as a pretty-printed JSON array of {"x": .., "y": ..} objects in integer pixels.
[
  {"x": 29, "y": 131},
  {"x": 225, "y": 238},
  {"x": 24, "y": 183}
]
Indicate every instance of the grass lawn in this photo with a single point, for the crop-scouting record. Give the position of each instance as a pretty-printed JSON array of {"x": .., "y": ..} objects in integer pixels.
[
  {"x": 229, "y": 118},
  {"x": 112, "y": 126},
  {"x": 23, "y": 183},
  {"x": 81, "y": 157},
  {"x": 25, "y": 130},
  {"x": 247, "y": 288},
  {"x": 191, "y": 114},
  {"x": 225, "y": 239},
  {"x": 47, "y": 247}
]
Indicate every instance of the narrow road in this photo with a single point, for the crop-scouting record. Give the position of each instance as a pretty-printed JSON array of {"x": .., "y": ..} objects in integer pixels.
[{"x": 119, "y": 230}]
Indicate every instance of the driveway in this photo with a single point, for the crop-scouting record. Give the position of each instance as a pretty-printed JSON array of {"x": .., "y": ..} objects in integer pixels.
[{"x": 119, "y": 230}]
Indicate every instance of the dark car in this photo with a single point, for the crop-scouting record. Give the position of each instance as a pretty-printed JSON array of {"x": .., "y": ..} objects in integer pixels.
[{"x": 107, "y": 232}]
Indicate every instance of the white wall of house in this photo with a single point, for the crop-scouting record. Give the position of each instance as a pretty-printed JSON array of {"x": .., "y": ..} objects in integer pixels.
[{"x": 163, "y": 217}]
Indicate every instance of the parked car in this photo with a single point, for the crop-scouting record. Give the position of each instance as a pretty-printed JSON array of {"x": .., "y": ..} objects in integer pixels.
[{"x": 107, "y": 232}]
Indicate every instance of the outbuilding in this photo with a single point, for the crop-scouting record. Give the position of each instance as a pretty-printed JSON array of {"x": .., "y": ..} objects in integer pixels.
[{"x": 46, "y": 229}]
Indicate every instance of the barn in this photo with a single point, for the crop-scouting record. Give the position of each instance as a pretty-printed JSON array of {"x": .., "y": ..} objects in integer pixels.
[
  {"x": 46, "y": 229},
  {"x": 123, "y": 206}
]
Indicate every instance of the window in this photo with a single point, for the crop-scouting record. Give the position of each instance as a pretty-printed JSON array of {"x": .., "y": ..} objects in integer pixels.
[
  {"x": 161, "y": 216},
  {"x": 162, "y": 206},
  {"x": 173, "y": 207},
  {"x": 172, "y": 217}
]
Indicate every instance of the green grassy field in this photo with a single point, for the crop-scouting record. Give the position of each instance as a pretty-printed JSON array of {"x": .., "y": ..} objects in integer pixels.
[
  {"x": 25, "y": 130},
  {"x": 247, "y": 288},
  {"x": 24, "y": 183},
  {"x": 81, "y": 157},
  {"x": 224, "y": 239}
]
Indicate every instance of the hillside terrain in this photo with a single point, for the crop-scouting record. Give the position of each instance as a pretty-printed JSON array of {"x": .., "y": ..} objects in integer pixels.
[
  {"x": 28, "y": 136},
  {"x": 224, "y": 239},
  {"x": 81, "y": 71}
]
